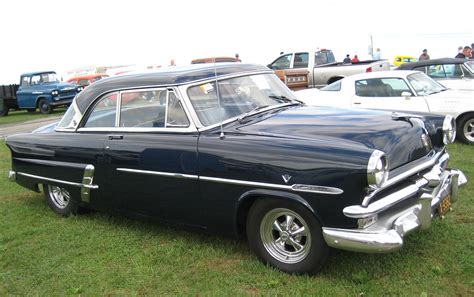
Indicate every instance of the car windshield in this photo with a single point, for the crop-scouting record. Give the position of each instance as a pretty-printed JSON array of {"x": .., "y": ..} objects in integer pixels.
[
  {"x": 237, "y": 96},
  {"x": 470, "y": 65},
  {"x": 424, "y": 85}
]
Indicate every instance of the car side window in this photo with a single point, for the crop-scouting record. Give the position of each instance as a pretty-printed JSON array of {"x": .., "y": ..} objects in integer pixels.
[
  {"x": 301, "y": 60},
  {"x": 421, "y": 69},
  {"x": 320, "y": 57},
  {"x": 176, "y": 117},
  {"x": 436, "y": 71},
  {"x": 378, "y": 87},
  {"x": 104, "y": 113},
  {"x": 282, "y": 62},
  {"x": 453, "y": 70},
  {"x": 25, "y": 81},
  {"x": 143, "y": 109}
]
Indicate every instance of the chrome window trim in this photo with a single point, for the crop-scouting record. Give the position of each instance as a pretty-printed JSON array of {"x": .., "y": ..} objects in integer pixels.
[
  {"x": 294, "y": 187},
  {"x": 78, "y": 114},
  {"x": 191, "y": 128},
  {"x": 429, "y": 163}
]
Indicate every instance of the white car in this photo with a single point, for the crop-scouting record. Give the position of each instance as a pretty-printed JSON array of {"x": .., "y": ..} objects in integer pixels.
[{"x": 398, "y": 90}]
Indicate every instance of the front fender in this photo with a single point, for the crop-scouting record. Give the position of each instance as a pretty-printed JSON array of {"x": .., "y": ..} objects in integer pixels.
[{"x": 246, "y": 200}]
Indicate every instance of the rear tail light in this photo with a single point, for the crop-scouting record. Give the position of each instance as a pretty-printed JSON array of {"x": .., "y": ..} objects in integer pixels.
[{"x": 368, "y": 69}]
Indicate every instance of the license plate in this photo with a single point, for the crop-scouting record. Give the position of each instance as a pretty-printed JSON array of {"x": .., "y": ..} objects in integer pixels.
[{"x": 444, "y": 206}]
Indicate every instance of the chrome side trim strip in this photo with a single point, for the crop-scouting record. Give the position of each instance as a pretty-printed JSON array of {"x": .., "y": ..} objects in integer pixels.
[
  {"x": 404, "y": 175},
  {"x": 167, "y": 174},
  {"x": 295, "y": 187},
  {"x": 12, "y": 176},
  {"x": 42, "y": 178}
]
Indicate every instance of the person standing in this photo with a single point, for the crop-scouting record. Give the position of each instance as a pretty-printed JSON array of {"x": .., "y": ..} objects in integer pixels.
[
  {"x": 466, "y": 53},
  {"x": 172, "y": 63},
  {"x": 347, "y": 60},
  {"x": 355, "y": 59},
  {"x": 377, "y": 55},
  {"x": 424, "y": 55},
  {"x": 237, "y": 58}
]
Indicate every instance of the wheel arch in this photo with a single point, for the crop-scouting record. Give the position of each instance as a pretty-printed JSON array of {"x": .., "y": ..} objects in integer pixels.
[
  {"x": 246, "y": 201},
  {"x": 462, "y": 115},
  {"x": 39, "y": 98}
]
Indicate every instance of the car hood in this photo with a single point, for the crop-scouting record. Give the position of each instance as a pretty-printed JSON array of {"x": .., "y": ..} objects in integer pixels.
[
  {"x": 61, "y": 86},
  {"x": 373, "y": 129}
]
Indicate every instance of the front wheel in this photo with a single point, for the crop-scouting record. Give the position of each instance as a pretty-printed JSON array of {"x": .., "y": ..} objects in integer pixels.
[
  {"x": 287, "y": 236},
  {"x": 465, "y": 129},
  {"x": 60, "y": 200},
  {"x": 44, "y": 106}
]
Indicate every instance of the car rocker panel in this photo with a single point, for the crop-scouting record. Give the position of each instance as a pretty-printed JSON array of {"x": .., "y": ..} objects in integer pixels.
[{"x": 226, "y": 148}]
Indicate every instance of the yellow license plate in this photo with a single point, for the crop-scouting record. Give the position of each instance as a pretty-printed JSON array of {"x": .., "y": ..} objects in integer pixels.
[{"x": 444, "y": 206}]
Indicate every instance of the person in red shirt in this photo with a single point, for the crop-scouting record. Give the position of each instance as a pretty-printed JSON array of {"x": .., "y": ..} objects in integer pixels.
[{"x": 355, "y": 59}]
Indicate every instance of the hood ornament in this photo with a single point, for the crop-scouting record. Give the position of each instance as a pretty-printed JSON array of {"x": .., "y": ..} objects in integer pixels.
[{"x": 286, "y": 178}]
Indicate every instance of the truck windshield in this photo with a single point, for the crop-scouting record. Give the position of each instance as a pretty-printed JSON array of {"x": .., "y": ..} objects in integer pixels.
[
  {"x": 43, "y": 78},
  {"x": 237, "y": 96}
]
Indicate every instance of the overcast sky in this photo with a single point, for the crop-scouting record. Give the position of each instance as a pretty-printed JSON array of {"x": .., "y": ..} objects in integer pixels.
[{"x": 65, "y": 35}]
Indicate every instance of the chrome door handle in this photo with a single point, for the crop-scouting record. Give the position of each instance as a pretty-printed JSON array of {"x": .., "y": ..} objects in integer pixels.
[{"x": 115, "y": 137}]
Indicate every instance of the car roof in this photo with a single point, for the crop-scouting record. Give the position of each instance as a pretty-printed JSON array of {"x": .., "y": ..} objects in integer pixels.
[
  {"x": 37, "y": 72},
  {"x": 411, "y": 65},
  {"x": 378, "y": 74},
  {"x": 87, "y": 76},
  {"x": 167, "y": 76}
]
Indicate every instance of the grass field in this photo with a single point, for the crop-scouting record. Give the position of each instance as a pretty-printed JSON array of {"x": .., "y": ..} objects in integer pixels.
[
  {"x": 101, "y": 254},
  {"x": 23, "y": 116}
]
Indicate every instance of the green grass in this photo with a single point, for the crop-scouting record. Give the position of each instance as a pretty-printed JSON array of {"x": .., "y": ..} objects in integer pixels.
[
  {"x": 21, "y": 116},
  {"x": 101, "y": 254}
]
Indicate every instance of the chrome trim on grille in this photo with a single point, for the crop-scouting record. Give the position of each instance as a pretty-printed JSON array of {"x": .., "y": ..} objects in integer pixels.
[
  {"x": 295, "y": 187},
  {"x": 406, "y": 174}
]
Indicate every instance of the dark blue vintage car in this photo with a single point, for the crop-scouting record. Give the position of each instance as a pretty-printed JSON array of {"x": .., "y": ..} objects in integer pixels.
[{"x": 227, "y": 148}]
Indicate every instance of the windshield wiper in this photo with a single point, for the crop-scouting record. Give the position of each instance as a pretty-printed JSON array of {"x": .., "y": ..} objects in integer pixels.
[
  {"x": 284, "y": 99},
  {"x": 251, "y": 112}
]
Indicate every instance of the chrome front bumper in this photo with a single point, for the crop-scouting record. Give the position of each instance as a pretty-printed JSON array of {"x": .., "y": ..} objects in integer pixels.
[{"x": 393, "y": 223}]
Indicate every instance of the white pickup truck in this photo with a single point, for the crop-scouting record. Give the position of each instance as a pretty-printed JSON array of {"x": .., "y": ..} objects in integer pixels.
[{"x": 321, "y": 68}]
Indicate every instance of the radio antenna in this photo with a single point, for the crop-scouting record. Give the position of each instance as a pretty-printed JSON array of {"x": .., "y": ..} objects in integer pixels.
[{"x": 221, "y": 136}]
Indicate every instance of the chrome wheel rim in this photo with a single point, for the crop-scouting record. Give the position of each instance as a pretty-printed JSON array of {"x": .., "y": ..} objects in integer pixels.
[
  {"x": 468, "y": 130},
  {"x": 285, "y": 235},
  {"x": 59, "y": 196}
]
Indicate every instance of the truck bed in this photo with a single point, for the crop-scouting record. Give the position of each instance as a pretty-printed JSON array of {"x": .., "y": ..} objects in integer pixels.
[{"x": 8, "y": 95}]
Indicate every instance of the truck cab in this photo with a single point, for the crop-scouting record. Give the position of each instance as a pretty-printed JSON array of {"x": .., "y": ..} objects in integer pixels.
[{"x": 43, "y": 90}]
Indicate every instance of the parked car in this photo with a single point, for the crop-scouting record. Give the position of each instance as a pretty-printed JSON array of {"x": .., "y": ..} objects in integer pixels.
[
  {"x": 399, "y": 60},
  {"x": 453, "y": 73},
  {"x": 231, "y": 151},
  {"x": 42, "y": 90},
  {"x": 398, "y": 90},
  {"x": 318, "y": 68},
  {"x": 86, "y": 80}
]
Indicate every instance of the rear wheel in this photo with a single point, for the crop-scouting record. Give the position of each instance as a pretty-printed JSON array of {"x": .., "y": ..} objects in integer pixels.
[
  {"x": 44, "y": 106},
  {"x": 287, "y": 236},
  {"x": 465, "y": 129},
  {"x": 60, "y": 200}
]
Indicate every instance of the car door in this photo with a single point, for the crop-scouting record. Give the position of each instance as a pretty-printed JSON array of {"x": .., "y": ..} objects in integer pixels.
[
  {"x": 387, "y": 93},
  {"x": 151, "y": 157},
  {"x": 25, "y": 96}
]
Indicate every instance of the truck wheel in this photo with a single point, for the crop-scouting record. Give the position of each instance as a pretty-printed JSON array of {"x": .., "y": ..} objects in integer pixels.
[
  {"x": 44, "y": 106},
  {"x": 287, "y": 236},
  {"x": 465, "y": 129}
]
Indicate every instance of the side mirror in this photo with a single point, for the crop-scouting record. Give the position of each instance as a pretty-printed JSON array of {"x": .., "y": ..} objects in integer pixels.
[
  {"x": 270, "y": 66},
  {"x": 407, "y": 95}
]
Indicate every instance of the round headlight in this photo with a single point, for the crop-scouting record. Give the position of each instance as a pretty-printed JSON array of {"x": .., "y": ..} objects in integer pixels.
[
  {"x": 449, "y": 129},
  {"x": 79, "y": 89},
  {"x": 377, "y": 169},
  {"x": 54, "y": 93}
]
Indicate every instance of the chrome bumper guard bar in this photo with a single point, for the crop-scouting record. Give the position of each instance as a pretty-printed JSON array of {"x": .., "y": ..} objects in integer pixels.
[
  {"x": 386, "y": 234},
  {"x": 86, "y": 185}
]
